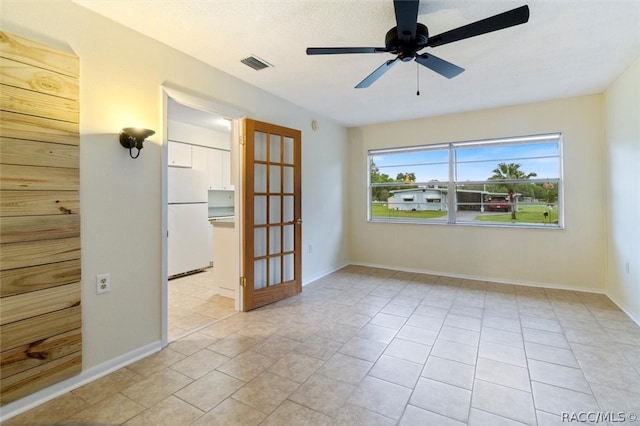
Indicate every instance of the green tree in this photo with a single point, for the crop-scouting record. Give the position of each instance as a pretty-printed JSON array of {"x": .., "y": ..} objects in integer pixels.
[
  {"x": 550, "y": 192},
  {"x": 510, "y": 172},
  {"x": 406, "y": 177},
  {"x": 379, "y": 193}
]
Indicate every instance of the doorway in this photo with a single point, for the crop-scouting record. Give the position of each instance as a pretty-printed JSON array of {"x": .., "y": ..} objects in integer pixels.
[{"x": 198, "y": 160}]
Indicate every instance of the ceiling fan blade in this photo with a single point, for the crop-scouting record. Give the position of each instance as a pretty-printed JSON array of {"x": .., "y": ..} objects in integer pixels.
[
  {"x": 406, "y": 18},
  {"x": 442, "y": 67},
  {"x": 342, "y": 50},
  {"x": 507, "y": 19},
  {"x": 371, "y": 78}
]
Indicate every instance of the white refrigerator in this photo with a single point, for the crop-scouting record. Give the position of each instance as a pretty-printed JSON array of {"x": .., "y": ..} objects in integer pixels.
[{"x": 189, "y": 233}]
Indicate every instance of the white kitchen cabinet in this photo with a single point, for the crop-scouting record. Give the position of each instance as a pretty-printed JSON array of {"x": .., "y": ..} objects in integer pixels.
[
  {"x": 215, "y": 162},
  {"x": 219, "y": 170},
  {"x": 215, "y": 169},
  {"x": 226, "y": 170},
  {"x": 200, "y": 159},
  {"x": 179, "y": 154},
  {"x": 226, "y": 275}
]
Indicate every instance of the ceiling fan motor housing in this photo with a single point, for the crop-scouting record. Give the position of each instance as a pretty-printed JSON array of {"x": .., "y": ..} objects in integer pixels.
[{"x": 406, "y": 50}]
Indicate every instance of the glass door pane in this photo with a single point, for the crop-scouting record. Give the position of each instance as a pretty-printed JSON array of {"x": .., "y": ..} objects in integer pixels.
[
  {"x": 260, "y": 146},
  {"x": 275, "y": 273},
  {"x": 288, "y": 150}
]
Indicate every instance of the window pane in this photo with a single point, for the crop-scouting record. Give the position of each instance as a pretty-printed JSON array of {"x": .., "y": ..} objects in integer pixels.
[
  {"x": 289, "y": 268},
  {"x": 259, "y": 274},
  {"x": 288, "y": 179},
  {"x": 260, "y": 178},
  {"x": 287, "y": 214},
  {"x": 275, "y": 233},
  {"x": 532, "y": 204},
  {"x": 260, "y": 146},
  {"x": 259, "y": 209},
  {"x": 478, "y": 163},
  {"x": 288, "y": 150},
  {"x": 259, "y": 242},
  {"x": 275, "y": 272},
  {"x": 274, "y": 179},
  {"x": 415, "y": 166},
  {"x": 416, "y": 204},
  {"x": 274, "y": 149},
  {"x": 288, "y": 237},
  {"x": 275, "y": 215}
]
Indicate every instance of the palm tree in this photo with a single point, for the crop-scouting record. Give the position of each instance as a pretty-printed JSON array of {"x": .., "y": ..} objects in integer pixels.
[
  {"x": 406, "y": 177},
  {"x": 509, "y": 172}
]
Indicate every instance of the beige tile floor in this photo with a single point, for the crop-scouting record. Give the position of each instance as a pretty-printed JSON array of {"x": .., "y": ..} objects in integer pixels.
[
  {"x": 193, "y": 303},
  {"x": 367, "y": 346}
]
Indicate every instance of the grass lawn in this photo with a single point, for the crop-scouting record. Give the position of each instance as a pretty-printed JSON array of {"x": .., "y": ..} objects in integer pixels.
[
  {"x": 525, "y": 214},
  {"x": 381, "y": 211}
]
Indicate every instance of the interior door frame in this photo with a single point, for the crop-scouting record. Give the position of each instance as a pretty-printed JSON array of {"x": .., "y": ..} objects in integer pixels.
[{"x": 201, "y": 102}]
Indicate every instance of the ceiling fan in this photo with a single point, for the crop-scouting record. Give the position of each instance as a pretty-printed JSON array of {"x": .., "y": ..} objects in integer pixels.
[{"x": 409, "y": 37}]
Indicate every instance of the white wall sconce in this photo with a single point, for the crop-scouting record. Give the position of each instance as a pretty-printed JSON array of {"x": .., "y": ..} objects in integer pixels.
[{"x": 133, "y": 137}]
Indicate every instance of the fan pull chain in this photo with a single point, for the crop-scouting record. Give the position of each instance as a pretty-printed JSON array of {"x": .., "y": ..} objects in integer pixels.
[{"x": 417, "y": 78}]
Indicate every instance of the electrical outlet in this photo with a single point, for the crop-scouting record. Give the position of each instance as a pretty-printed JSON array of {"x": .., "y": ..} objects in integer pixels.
[
  {"x": 310, "y": 249},
  {"x": 103, "y": 283}
]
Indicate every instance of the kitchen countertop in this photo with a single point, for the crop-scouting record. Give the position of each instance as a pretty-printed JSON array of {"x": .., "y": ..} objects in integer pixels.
[
  {"x": 223, "y": 223},
  {"x": 220, "y": 211}
]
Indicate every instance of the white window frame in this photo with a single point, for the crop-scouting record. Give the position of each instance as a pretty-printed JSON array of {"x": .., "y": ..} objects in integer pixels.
[{"x": 452, "y": 216}]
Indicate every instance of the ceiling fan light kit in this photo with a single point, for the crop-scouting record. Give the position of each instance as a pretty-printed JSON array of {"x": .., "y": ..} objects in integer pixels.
[{"x": 409, "y": 37}]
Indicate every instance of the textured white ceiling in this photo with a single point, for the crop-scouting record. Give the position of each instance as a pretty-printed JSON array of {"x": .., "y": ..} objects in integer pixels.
[{"x": 567, "y": 48}]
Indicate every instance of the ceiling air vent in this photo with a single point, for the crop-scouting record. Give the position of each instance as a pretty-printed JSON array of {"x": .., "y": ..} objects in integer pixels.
[{"x": 255, "y": 63}]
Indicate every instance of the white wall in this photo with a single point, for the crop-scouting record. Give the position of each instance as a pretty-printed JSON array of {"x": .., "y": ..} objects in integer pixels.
[
  {"x": 121, "y": 73},
  {"x": 622, "y": 156},
  {"x": 196, "y": 135},
  {"x": 572, "y": 258}
]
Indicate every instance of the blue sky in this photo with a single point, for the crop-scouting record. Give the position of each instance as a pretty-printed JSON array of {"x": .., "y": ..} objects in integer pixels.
[{"x": 473, "y": 162}]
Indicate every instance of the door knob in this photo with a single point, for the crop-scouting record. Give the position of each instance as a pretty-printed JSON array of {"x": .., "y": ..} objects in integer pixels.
[{"x": 299, "y": 222}]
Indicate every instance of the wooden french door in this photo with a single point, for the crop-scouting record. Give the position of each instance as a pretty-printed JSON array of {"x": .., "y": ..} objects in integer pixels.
[{"x": 272, "y": 226}]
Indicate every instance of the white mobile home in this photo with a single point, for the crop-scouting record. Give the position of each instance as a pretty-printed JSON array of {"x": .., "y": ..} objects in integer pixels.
[
  {"x": 418, "y": 199},
  {"x": 435, "y": 199}
]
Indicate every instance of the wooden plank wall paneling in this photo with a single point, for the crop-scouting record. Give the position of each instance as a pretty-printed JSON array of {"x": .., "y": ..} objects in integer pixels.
[
  {"x": 22, "y": 152},
  {"x": 22, "y": 358},
  {"x": 24, "y": 76},
  {"x": 40, "y": 313},
  {"x": 22, "y": 126},
  {"x": 46, "y": 374},
  {"x": 27, "y": 203},
  {"x": 32, "y": 253},
  {"x": 32, "y": 278},
  {"x": 25, "y": 101}
]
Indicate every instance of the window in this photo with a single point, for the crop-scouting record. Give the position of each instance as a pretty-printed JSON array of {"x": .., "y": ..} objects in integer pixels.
[{"x": 505, "y": 182}]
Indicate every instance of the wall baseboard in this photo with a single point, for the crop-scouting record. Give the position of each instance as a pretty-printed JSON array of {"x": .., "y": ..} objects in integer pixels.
[
  {"x": 620, "y": 305},
  {"x": 481, "y": 278},
  {"x": 624, "y": 309},
  {"x": 89, "y": 375},
  {"x": 324, "y": 274}
]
